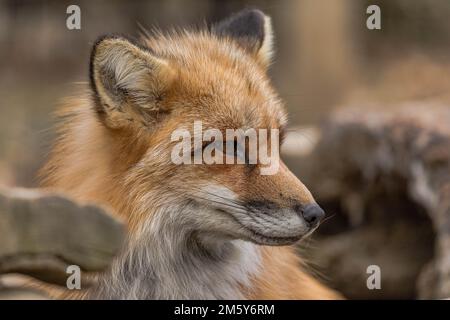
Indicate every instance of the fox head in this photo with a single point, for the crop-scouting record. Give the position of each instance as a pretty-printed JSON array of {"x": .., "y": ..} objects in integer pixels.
[{"x": 143, "y": 92}]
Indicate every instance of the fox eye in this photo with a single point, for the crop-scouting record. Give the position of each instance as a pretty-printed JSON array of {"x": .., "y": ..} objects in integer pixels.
[
  {"x": 205, "y": 144},
  {"x": 240, "y": 152},
  {"x": 219, "y": 149},
  {"x": 237, "y": 151}
]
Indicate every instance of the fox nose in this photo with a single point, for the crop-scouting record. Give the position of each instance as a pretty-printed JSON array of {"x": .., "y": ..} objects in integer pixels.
[{"x": 312, "y": 213}]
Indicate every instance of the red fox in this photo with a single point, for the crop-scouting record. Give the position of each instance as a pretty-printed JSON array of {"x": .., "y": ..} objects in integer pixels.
[{"x": 195, "y": 231}]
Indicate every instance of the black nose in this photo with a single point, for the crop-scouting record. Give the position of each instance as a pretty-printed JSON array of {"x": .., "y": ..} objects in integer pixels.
[{"x": 312, "y": 213}]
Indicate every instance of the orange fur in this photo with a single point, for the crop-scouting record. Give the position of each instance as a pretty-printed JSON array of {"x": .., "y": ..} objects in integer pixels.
[
  {"x": 123, "y": 162},
  {"x": 283, "y": 278}
]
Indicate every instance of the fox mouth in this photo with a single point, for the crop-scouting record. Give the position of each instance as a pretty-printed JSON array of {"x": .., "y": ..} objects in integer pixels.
[
  {"x": 262, "y": 239},
  {"x": 255, "y": 232}
]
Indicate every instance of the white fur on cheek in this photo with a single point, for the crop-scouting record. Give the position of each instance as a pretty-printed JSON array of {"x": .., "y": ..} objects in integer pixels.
[{"x": 219, "y": 195}]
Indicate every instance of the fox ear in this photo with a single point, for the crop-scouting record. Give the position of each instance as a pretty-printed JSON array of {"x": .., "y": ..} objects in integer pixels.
[
  {"x": 129, "y": 82},
  {"x": 252, "y": 30}
]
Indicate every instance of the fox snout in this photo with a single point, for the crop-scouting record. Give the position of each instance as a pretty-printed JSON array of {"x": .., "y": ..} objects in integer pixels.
[
  {"x": 277, "y": 209},
  {"x": 311, "y": 213}
]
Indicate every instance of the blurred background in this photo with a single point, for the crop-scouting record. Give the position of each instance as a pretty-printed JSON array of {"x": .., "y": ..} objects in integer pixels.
[{"x": 326, "y": 60}]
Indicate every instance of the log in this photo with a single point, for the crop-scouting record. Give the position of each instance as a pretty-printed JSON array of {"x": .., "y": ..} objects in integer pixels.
[
  {"x": 383, "y": 173},
  {"x": 41, "y": 234}
]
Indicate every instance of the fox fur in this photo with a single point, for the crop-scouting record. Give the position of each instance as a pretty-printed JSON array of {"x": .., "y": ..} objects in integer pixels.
[{"x": 199, "y": 231}]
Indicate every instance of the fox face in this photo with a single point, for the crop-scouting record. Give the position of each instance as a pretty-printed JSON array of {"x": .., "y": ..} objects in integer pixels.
[{"x": 143, "y": 92}]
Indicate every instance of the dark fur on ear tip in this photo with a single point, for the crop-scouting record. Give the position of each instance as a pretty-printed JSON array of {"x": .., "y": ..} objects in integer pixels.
[{"x": 246, "y": 25}]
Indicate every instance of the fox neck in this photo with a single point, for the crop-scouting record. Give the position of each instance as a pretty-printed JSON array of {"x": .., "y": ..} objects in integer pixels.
[
  {"x": 171, "y": 261},
  {"x": 164, "y": 258}
]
